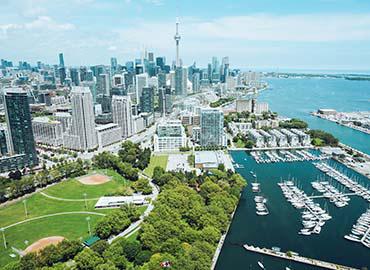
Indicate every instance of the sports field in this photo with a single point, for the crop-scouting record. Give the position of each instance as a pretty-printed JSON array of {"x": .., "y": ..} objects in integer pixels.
[
  {"x": 58, "y": 200},
  {"x": 158, "y": 160}
]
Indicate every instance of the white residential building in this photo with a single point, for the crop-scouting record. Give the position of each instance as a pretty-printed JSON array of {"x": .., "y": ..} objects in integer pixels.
[
  {"x": 82, "y": 133},
  {"x": 139, "y": 123},
  {"x": 292, "y": 137},
  {"x": 108, "y": 134},
  {"x": 304, "y": 138},
  {"x": 270, "y": 140},
  {"x": 170, "y": 136},
  {"x": 261, "y": 108},
  {"x": 47, "y": 131},
  {"x": 281, "y": 139},
  {"x": 122, "y": 114},
  {"x": 65, "y": 119},
  {"x": 240, "y": 127},
  {"x": 256, "y": 138}
]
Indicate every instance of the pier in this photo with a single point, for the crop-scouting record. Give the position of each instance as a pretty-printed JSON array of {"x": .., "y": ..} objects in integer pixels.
[
  {"x": 291, "y": 256},
  {"x": 323, "y": 196}
]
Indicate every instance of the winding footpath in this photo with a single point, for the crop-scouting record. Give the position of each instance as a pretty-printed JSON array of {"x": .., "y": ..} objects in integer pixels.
[{"x": 136, "y": 225}]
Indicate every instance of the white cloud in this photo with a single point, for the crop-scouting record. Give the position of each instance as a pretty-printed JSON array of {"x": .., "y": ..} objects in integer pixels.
[
  {"x": 45, "y": 22},
  {"x": 261, "y": 27}
]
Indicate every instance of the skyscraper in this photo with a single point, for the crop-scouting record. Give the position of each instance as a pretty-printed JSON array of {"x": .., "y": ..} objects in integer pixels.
[
  {"x": 103, "y": 84},
  {"x": 177, "y": 38},
  {"x": 141, "y": 82},
  {"x": 18, "y": 119},
  {"x": 113, "y": 64},
  {"x": 122, "y": 114},
  {"x": 61, "y": 60},
  {"x": 82, "y": 134},
  {"x": 147, "y": 100},
  {"x": 165, "y": 100},
  {"x": 179, "y": 81},
  {"x": 75, "y": 76},
  {"x": 211, "y": 124},
  {"x": 195, "y": 80}
]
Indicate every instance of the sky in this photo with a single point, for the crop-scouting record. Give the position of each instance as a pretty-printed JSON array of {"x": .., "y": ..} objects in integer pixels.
[{"x": 260, "y": 34}]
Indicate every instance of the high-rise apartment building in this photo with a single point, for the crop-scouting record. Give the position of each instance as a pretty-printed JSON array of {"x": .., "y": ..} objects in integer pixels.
[
  {"x": 141, "y": 82},
  {"x": 147, "y": 100},
  {"x": 18, "y": 119},
  {"x": 122, "y": 114},
  {"x": 82, "y": 133},
  {"x": 211, "y": 124}
]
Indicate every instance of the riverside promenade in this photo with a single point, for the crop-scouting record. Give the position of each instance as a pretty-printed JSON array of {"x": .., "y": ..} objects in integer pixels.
[{"x": 295, "y": 257}]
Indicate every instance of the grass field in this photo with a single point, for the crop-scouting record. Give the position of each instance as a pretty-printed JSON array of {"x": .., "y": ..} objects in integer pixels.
[
  {"x": 71, "y": 226},
  {"x": 160, "y": 160},
  {"x": 73, "y": 189}
]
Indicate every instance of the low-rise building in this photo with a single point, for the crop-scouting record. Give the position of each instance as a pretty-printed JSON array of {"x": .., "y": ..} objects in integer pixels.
[
  {"x": 47, "y": 131},
  {"x": 266, "y": 124},
  {"x": 256, "y": 138},
  {"x": 293, "y": 139},
  {"x": 270, "y": 140},
  {"x": 304, "y": 138},
  {"x": 281, "y": 139},
  {"x": 108, "y": 134},
  {"x": 210, "y": 159},
  {"x": 240, "y": 127}
]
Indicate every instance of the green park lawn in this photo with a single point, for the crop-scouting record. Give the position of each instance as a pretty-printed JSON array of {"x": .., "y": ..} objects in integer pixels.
[
  {"x": 72, "y": 226},
  {"x": 239, "y": 144},
  {"x": 73, "y": 189},
  {"x": 69, "y": 226},
  {"x": 160, "y": 160}
]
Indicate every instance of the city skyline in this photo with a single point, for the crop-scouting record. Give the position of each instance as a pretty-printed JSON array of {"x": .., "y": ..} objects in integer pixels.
[{"x": 324, "y": 34}]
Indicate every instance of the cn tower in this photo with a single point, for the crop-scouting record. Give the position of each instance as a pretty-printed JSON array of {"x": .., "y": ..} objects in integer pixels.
[{"x": 177, "y": 39}]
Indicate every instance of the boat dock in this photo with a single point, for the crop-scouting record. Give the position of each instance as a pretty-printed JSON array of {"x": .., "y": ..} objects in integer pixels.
[
  {"x": 323, "y": 196},
  {"x": 291, "y": 256}
]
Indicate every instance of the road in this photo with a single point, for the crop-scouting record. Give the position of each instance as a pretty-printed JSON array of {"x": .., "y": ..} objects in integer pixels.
[{"x": 145, "y": 138}]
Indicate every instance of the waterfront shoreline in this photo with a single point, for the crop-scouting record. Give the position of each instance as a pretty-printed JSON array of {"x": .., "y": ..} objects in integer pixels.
[{"x": 340, "y": 123}]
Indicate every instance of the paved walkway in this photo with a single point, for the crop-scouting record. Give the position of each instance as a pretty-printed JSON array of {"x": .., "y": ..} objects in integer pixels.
[
  {"x": 68, "y": 200},
  {"x": 136, "y": 225},
  {"x": 52, "y": 215}
]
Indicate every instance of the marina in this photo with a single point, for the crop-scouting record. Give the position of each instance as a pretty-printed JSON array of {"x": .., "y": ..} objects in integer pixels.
[
  {"x": 360, "y": 232},
  {"x": 313, "y": 216},
  {"x": 286, "y": 156},
  {"x": 330, "y": 192},
  {"x": 282, "y": 226},
  {"x": 345, "y": 180}
]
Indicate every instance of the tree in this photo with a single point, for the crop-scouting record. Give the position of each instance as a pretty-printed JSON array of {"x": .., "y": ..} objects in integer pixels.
[
  {"x": 69, "y": 249},
  {"x": 221, "y": 167},
  {"x": 29, "y": 261},
  {"x": 142, "y": 185},
  {"x": 130, "y": 249},
  {"x": 100, "y": 246},
  {"x": 49, "y": 255},
  {"x": 142, "y": 257},
  {"x": 87, "y": 260}
]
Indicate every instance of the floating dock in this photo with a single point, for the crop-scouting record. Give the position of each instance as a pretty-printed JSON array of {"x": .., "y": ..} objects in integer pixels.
[{"x": 291, "y": 256}]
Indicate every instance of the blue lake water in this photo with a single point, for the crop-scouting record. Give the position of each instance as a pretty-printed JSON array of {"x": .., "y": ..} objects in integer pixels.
[
  {"x": 298, "y": 97},
  {"x": 280, "y": 228}
]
